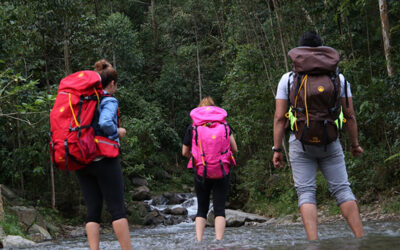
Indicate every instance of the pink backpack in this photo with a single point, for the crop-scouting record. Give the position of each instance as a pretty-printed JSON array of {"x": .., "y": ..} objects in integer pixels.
[{"x": 211, "y": 153}]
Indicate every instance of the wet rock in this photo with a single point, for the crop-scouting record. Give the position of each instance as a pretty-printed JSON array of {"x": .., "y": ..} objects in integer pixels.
[
  {"x": 52, "y": 229},
  {"x": 38, "y": 233},
  {"x": 137, "y": 182},
  {"x": 137, "y": 211},
  {"x": 154, "y": 218},
  {"x": 179, "y": 211},
  {"x": 141, "y": 193},
  {"x": 174, "y": 219},
  {"x": 174, "y": 198},
  {"x": 236, "y": 218},
  {"x": 159, "y": 200},
  {"x": 77, "y": 232},
  {"x": 13, "y": 241}
]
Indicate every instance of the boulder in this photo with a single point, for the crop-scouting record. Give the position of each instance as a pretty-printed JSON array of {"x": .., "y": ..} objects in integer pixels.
[
  {"x": 159, "y": 200},
  {"x": 174, "y": 198},
  {"x": 141, "y": 193},
  {"x": 179, "y": 211},
  {"x": 13, "y": 241},
  {"x": 78, "y": 232},
  {"x": 236, "y": 218},
  {"x": 27, "y": 216},
  {"x": 154, "y": 218},
  {"x": 174, "y": 219},
  {"x": 38, "y": 233},
  {"x": 137, "y": 182},
  {"x": 136, "y": 212}
]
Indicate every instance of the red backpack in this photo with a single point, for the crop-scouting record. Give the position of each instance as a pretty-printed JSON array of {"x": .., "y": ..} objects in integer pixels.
[{"x": 73, "y": 142}]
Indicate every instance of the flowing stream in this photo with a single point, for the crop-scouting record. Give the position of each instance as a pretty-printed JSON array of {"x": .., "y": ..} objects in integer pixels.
[{"x": 379, "y": 235}]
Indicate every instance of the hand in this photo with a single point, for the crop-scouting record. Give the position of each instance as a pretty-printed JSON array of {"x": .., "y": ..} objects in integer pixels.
[
  {"x": 356, "y": 151},
  {"x": 277, "y": 160},
  {"x": 121, "y": 132}
]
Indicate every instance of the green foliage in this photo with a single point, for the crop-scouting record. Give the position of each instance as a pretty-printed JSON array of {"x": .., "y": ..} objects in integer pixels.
[
  {"x": 10, "y": 225},
  {"x": 158, "y": 52}
]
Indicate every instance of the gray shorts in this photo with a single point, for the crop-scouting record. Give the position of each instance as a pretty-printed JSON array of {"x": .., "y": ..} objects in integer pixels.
[{"x": 332, "y": 165}]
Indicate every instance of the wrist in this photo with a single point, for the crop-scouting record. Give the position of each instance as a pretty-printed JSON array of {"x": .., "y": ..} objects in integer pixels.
[
  {"x": 354, "y": 145},
  {"x": 277, "y": 149}
]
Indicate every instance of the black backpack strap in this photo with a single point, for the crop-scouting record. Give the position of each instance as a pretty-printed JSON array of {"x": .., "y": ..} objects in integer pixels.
[
  {"x": 345, "y": 91},
  {"x": 288, "y": 88},
  {"x": 196, "y": 136}
]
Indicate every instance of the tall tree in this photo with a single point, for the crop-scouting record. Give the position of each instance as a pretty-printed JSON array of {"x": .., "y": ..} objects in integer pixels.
[{"x": 386, "y": 36}]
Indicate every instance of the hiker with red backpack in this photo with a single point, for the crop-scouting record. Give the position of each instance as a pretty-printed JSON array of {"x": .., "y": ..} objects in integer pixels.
[
  {"x": 85, "y": 133},
  {"x": 319, "y": 101},
  {"x": 209, "y": 143}
]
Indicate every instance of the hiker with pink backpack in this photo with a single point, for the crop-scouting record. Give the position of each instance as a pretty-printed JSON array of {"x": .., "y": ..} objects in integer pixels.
[{"x": 209, "y": 143}]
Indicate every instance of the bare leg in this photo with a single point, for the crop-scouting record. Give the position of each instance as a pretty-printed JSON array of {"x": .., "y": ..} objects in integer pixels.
[
  {"x": 93, "y": 235},
  {"x": 350, "y": 212},
  {"x": 121, "y": 229},
  {"x": 219, "y": 227},
  {"x": 309, "y": 215},
  {"x": 200, "y": 225}
]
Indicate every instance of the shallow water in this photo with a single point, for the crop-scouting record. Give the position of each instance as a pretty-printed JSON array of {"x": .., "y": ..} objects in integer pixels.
[{"x": 379, "y": 235}]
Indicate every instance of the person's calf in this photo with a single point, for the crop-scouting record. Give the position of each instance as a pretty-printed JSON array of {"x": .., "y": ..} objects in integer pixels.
[{"x": 351, "y": 213}]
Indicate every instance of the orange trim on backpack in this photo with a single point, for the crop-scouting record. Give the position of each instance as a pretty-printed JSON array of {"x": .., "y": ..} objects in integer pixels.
[{"x": 72, "y": 110}]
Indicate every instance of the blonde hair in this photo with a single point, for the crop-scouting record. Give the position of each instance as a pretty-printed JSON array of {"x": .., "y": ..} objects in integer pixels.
[{"x": 206, "y": 101}]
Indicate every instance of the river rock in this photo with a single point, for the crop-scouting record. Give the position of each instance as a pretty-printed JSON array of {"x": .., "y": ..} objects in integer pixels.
[
  {"x": 159, "y": 200},
  {"x": 137, "y": 182},
  {"x": 38, "y": 233},
  {"x": 154, "y": 218},
  {"x": 174, "y": 198},
  {"x": 13, "y": 241},
  {"x": 235, "y": 218},
  {"x": 141, "y": 193},
  {"x": 174, "y": 219},
  {"x": 137, "y": 211},
  {"x": 27, "y": 216},
  {"x": 179, "y": 211},
  {"x": 77, "y": 232}
]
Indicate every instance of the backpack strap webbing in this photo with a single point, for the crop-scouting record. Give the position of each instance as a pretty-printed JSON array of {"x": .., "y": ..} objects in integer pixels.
[
  {"x": 66, "y": 155},
  {"x": 345, "y": 91},
  {"x": 288, "y": 88},
  {"x": 222, "y": 169}
]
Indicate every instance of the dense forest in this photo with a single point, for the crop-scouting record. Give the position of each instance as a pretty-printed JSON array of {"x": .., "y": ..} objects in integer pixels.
[{"x": 168, "y": 55}]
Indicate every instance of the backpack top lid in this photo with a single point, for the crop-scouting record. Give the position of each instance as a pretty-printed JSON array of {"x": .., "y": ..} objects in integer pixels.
[
  {"x": 315, "y": 60},
  {"x": 81, "y": 83},
  {"x": 206, "y": 114}
]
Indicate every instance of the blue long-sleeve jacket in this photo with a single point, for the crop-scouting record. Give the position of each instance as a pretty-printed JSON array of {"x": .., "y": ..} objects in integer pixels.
[{"x": 108, "y": 120}]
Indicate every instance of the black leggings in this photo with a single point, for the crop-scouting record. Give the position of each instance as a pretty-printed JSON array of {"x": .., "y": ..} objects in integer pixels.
[
  {"x": 220, "y": 192},
  {"x": 102, "y": 178}
]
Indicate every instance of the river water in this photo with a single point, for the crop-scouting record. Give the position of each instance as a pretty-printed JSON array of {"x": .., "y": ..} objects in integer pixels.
[{"x": 379, "y": 235}]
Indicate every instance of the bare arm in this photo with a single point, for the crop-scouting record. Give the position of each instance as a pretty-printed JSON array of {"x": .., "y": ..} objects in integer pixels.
[
  {"x": 186, "y": 151},
  {"x": 279, "y": 130},
  {"x": 234, "y": 148},
  {"x": 351, "y": 126}
]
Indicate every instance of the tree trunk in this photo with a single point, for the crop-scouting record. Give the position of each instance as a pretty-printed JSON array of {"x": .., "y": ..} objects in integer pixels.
[
  {"x": 67, "y": 56},
  {"x": 153, "y": 18},
  {"x": 385, "y": 36},
  {"x": 278, "y": 19},
  {"x": 198, "y": 63}
]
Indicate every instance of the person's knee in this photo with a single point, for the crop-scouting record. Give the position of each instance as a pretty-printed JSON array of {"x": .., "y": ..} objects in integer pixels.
[
  {"x": 343, "y": 194},
  {"x": 219, "y": 212}
]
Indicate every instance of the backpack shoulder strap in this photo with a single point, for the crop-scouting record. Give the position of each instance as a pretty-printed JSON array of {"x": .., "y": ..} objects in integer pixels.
[
  {"x": 288, "y": 88},
  {"x": 345, "y": 89}
]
